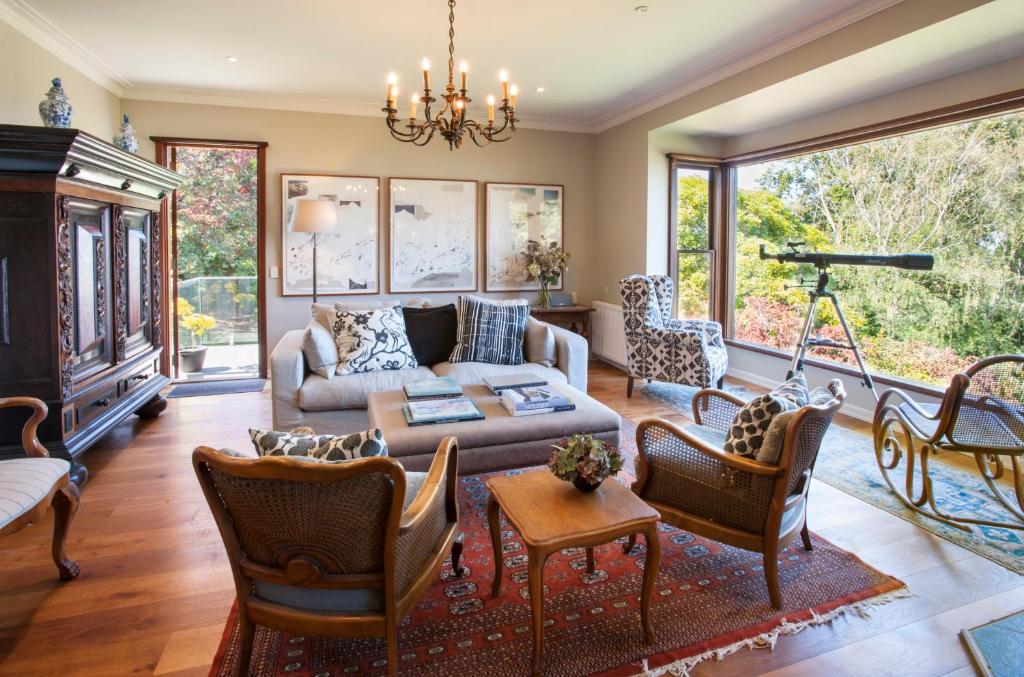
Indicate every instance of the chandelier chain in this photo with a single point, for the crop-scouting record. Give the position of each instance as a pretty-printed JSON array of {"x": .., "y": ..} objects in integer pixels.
[{"x": 451, "y": 43}]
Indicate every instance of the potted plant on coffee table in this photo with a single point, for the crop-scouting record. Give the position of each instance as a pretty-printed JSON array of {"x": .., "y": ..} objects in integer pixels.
[
  {"x": 191, "y": 359},
  {"x": 585, "y": 461}
]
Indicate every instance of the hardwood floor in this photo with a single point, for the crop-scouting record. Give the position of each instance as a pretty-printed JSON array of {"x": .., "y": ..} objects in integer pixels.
[{"x": 155, "y": 589}]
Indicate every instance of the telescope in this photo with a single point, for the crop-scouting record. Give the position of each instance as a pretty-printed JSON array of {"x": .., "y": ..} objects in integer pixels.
[
  {"x": 822, "y": 260},
  {"x": 820, "y": 290}
]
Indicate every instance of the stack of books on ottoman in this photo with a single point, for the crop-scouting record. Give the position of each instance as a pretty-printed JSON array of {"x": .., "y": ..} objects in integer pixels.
[
  {"x": 526, "y": 395},
  {"x": 438, "y": 400}
]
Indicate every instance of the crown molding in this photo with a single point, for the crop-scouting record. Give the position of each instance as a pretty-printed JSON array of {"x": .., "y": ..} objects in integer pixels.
[
  {"x": 309, "y": 104},
  {"x": 806, "y": 30},
  {"x": 50, "y": 37}
]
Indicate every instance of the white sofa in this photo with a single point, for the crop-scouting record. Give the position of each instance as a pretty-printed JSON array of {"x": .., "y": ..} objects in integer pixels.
[{"x": 338, "y": 405}]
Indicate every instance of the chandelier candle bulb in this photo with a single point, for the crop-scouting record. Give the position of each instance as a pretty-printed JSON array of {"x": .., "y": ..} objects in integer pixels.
[
  {"x": 503, "y": 76},
  {"x": 514, "y": 92},
  {"x": 392, "y": 93},
  {"x": 464, "y": 71},
  {"x": 490, "y": 109},
  {"x": 426, "y": 74},
  {"x": 412, "y": 106}
]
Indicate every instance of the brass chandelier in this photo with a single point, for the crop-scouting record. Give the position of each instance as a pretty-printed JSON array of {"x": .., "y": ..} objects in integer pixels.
[{"x": 452, "y": 121}]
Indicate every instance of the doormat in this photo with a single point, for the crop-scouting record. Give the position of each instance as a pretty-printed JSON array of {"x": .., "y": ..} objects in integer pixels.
[{"x": 226, "y": 387}]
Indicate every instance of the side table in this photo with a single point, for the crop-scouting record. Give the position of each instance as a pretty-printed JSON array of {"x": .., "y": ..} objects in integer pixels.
[
  {"x": 550, "y": 515},
  {"x": 573, "y": 318}
]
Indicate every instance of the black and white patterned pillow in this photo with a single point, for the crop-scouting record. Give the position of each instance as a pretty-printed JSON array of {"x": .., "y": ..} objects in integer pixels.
[
  {"x": 325, "y": 448},
  {"x": 794, "y": 390},
  {"x": 372, "y": 340},
  {"x": 747, "y": 432},
  {"x": 490, "y": 332}
]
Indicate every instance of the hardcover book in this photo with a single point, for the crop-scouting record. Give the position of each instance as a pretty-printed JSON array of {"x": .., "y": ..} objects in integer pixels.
[
  {"x": 499, "y": 383},
  {"x": 522, "y": 399},
  {"x": 441, "y": 411},
  {"x": 544, "y": 410},
  {"x": 432, "y": 389}
]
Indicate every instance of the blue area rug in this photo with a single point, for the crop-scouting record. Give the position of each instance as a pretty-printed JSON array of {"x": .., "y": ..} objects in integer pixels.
[{"x": 847, "y": 462}]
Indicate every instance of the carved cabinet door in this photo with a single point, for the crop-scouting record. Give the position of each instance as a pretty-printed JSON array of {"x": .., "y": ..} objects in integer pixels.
[
  {"x": 87, "y": 239},
  {"x": 134, "y": 270}
]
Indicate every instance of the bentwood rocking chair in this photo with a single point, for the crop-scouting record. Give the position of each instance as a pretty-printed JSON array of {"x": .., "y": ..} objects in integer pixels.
[
  {"x": 331, "y": 549},
  {"x": 686, "y": 476},
  {"x": 981, "y": 413}
]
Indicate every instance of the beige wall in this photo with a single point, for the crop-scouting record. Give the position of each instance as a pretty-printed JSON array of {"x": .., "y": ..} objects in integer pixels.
[
  {"x": 25, "y": 73},
  {"x": 339, "y": 144}
]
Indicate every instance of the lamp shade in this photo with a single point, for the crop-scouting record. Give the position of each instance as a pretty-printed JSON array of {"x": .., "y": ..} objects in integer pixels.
[{"x": 315, "y": 216}]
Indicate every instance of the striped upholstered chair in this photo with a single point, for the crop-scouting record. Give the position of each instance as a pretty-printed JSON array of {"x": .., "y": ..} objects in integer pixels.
[
  {"x": 661, "y": 348},
  {"x": 28, "y": 486}
]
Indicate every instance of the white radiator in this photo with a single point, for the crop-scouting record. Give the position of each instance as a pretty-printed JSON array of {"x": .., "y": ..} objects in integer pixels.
[{"x": 608, "y": 333}]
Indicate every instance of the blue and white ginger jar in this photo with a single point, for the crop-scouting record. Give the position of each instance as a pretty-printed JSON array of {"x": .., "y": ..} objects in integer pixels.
[
  {"x": 126, "y": 138},
  {"x": 55, "y": 110}
]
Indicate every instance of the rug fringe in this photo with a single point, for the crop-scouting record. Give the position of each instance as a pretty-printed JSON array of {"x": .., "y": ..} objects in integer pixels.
[{"x": 767, "y": 640}]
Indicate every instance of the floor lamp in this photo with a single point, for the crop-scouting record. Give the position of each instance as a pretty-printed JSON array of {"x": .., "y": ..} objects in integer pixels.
[{"x": 316, "y": 217}]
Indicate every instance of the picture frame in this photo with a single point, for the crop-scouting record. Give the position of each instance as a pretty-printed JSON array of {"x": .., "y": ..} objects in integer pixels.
[
  {"x": 433, "y": 235},
  {"x": 349, "y": 261},
  {"x": 515, "y": 214}
]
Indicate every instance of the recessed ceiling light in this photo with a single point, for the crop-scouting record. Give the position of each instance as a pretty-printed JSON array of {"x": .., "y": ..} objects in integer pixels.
[
  {"x": 540, "y": 90},
  {"x": 232, "y": 59},
  {"x": 642, "y": 9}
]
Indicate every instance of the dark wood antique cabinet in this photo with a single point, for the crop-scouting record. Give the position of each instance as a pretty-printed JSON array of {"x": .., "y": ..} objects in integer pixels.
[{"x": 81, "y": 296}]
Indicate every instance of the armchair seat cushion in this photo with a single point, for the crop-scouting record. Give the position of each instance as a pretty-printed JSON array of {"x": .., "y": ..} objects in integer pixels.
[
  {"x": 24, "y": 482},
  {"x": 350, "y": 391}
]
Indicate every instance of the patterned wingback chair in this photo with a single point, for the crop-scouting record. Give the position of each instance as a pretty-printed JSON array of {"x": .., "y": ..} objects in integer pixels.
[{"x": 660, "y": 348}]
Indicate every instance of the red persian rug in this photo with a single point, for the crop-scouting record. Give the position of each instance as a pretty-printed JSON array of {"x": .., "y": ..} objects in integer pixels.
[{"x": 710, "y": 601}]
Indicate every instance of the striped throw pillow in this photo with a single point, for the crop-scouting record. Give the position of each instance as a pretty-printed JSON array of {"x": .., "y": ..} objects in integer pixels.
[{"x": 490, "y": 332}]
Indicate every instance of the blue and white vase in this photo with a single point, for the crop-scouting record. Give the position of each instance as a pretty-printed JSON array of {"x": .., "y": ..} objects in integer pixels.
[
  {"x": 126, "y": 138},
  {"x": 55, "y": 109}
]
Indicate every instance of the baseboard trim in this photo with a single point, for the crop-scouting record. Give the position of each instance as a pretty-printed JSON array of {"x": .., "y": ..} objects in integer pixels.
[{"x": 859, "y": 413}]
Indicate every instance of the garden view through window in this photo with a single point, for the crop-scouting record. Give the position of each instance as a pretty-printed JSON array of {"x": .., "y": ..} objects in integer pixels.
[
  {"x": 693, "y": 241},
  {"x": 955, "y": 192}
]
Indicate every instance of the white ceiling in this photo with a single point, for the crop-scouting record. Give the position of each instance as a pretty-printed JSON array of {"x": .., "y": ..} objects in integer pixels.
[
  {"x": 598, "y": 60},
  {"x": 988, "y": 34}
]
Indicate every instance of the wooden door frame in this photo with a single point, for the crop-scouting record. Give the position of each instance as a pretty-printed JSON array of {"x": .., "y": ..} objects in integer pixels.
[{"x": 165, "y": 146}]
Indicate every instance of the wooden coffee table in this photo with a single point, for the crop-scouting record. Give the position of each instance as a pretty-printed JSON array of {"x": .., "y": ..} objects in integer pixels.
[{"x": 551, "y": 515}]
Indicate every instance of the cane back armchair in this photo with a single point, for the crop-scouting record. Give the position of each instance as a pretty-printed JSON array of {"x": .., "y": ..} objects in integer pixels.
[
  {"x": 331, "y": 549},
  {"x": 28, "y": 486},
  {"x": 697, "y": 486},
  {"x": 660, "y": 348},
  {"x": 981, "y": 413}
]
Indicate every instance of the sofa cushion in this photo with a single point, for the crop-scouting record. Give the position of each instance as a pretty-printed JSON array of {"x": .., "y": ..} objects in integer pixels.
[
  {"x": 432, "y": 332},
  {"x": 324, "y": 314},
  {"x": 466, "y": 373},
  {"x": 372, "y": 340},
  {"x": 320, "y": 350},
  {"x": 350, "y": 391},
  {"x": 24, "y": 482},
  {"x": 490, "y": 332},
  {"x": 324, "y": 448},
  {"x": 539, "y": 343},
  {"x": 748, "y": 429}
]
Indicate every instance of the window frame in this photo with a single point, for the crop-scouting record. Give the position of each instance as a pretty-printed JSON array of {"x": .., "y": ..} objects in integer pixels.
[
  {"x": 715, "y": 209},
  {"x": 722, "y": 211}
]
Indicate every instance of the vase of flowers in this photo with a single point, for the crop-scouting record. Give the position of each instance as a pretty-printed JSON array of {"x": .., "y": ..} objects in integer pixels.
[
  {"x": 585, "y": 461},
  {"x": 192, "y": 359},
  {"x": 545, "y": 264}
]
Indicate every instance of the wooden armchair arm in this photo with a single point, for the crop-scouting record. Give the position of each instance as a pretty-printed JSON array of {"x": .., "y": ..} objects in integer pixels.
[
  {"x": 719, "y": 408},
  {"x": 33, "y": 447},
  {"x": 730, "y": 460},
  {"x": 440, "y": 477}
]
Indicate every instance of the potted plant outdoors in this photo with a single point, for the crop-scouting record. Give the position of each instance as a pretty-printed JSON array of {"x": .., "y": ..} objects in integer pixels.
[
  {"x": 585, "y": 461},
  {"x": 192, "y": 358},
  {"x": 546, "y": 265}
]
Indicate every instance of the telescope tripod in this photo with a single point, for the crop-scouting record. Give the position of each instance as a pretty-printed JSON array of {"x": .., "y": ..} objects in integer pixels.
[{"x": 819, "y": 292}]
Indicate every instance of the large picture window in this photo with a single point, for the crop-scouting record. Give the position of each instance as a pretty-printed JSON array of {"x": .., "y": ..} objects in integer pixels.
[
  {"x": 693, "y": 238},
  {"x": 955, "y": 192}
]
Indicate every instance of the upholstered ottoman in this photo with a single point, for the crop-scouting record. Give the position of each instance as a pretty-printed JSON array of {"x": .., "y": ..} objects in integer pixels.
[{"x": 497, "y": 442}]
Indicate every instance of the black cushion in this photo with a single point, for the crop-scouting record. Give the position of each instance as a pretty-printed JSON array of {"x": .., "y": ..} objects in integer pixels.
[{"x": 432, "y": 332}]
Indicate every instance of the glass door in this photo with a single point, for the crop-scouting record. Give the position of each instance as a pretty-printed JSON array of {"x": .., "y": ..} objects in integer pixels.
[
  {"x": 692, "y": 239},
  {"x": 216, "y": 243}
]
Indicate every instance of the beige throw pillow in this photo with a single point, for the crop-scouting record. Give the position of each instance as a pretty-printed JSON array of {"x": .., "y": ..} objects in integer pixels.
[
  {"x": 539, "y": 343},
  {"x": 320, "y": 350}
]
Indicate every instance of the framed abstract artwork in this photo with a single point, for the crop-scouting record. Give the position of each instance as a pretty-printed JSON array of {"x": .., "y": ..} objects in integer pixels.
[
  {"x": 433, "y": 235},
  {"x": 347, "y": 259},
  {"x": 516, "y": 214}
]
